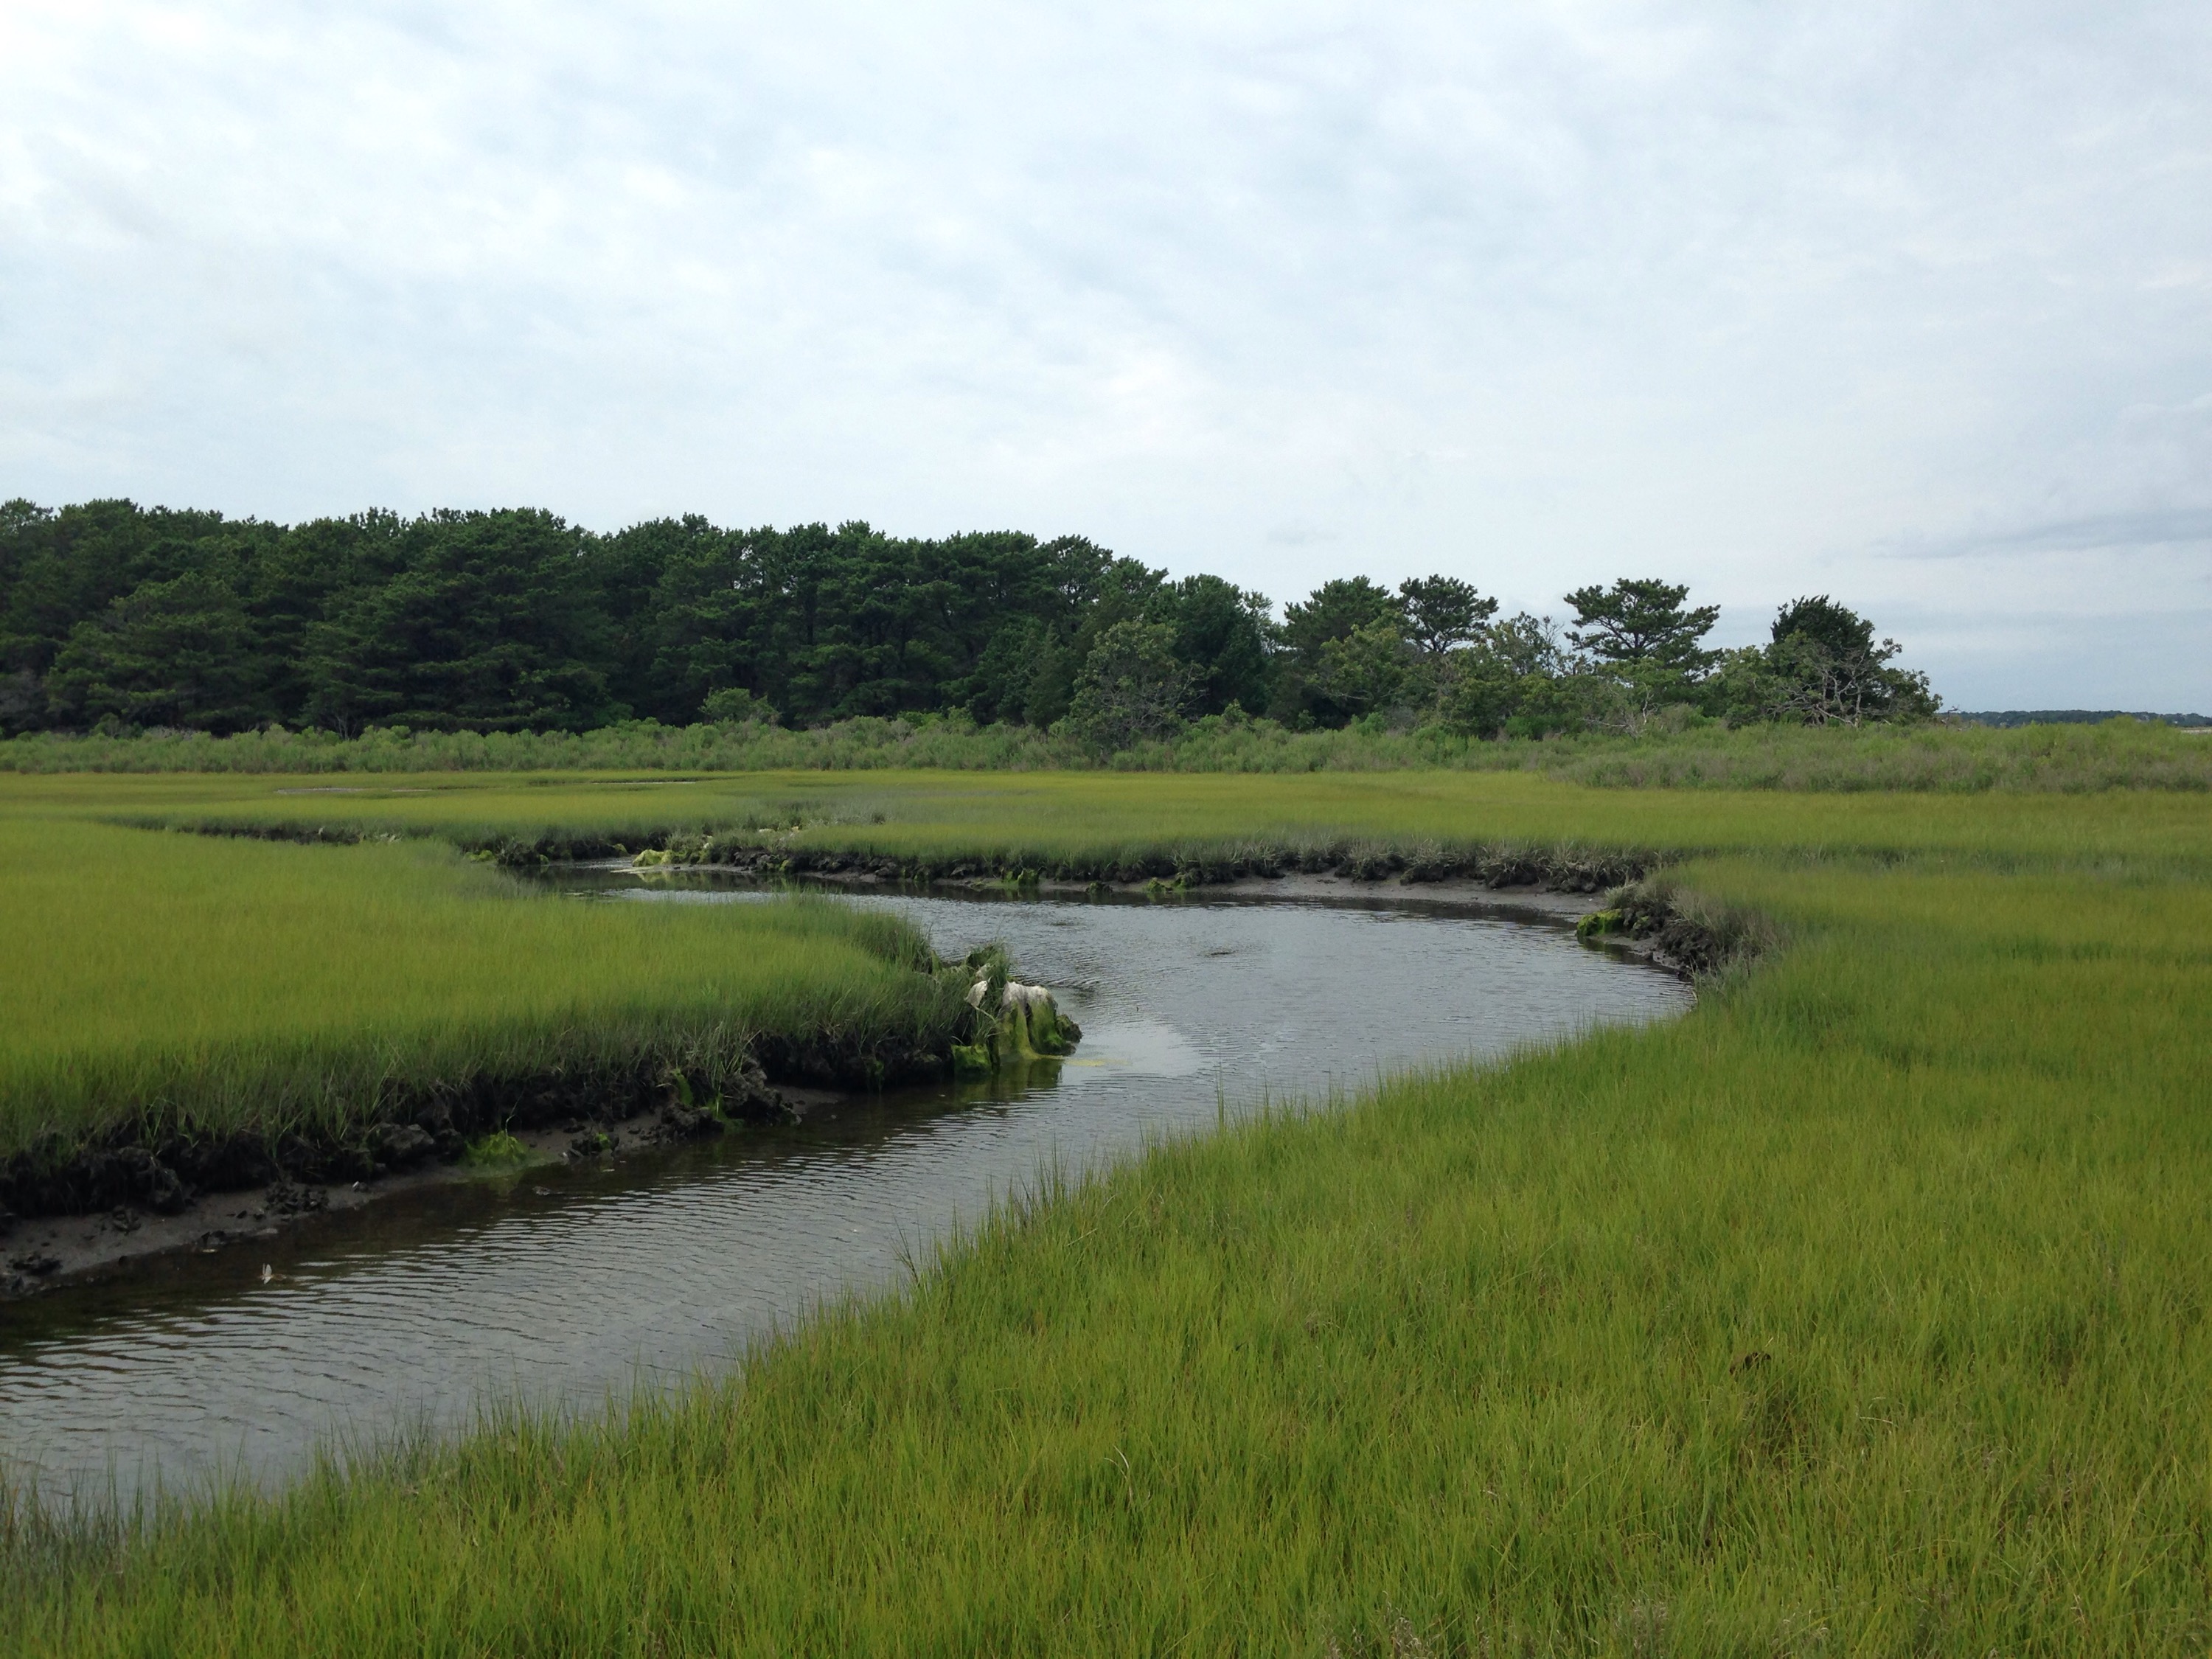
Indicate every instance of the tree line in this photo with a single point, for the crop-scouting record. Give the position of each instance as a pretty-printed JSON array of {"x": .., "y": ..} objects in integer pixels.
[{"x": 117, "y": 618}]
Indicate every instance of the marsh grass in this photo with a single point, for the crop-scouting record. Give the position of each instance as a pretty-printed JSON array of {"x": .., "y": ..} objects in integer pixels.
[
  {"x": 1863, "y": 1311},
  {"x": 1929, "y": 756},
  {"x": 1045, "y": 820},
  {"x": 210, "y": 986}
]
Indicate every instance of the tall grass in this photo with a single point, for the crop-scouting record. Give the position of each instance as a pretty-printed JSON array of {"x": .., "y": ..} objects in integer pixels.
[
  {"x": 221, "y": 986},
  {"x": 1043, "y": 818},
  {"x": 1938, "y": 757},
  {"x": 1864, "y": 1310}
]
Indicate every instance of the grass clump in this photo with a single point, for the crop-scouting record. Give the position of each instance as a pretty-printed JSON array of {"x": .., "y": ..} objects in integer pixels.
[{"x": 496, "y": 1151}]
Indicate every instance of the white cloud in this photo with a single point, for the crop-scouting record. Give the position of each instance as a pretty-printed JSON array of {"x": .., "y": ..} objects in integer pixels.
[{"x": 1876, "y": 301}]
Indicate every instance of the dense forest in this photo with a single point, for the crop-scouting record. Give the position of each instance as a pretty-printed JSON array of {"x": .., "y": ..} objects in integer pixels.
[{"x": 115, "y": 618}]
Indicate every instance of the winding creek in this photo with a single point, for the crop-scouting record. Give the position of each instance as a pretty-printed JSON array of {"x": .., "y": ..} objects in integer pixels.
[{"x": 567, "y": 1285}]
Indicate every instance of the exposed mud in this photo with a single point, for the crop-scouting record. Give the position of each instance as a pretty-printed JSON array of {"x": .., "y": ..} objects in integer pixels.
[
  {"x": 1559, "y": 870},
  {"x": 38, "y": 1252},
  {"x": 1646, "y": 920},
  {"x": 132, "y": 1194}
]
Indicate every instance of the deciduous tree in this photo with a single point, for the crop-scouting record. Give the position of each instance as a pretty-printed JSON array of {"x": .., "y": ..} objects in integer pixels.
[{"x": 1132, "y": 687}]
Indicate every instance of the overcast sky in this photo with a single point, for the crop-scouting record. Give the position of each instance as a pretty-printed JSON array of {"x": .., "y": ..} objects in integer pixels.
[{"x": 1911, "y": 304}]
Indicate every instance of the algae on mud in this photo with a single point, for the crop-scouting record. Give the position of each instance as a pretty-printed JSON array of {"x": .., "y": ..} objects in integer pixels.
[{"x": 1018, "y": 1022}]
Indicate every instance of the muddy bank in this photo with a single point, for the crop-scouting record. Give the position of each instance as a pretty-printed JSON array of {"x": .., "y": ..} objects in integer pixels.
[
  {"x": 1554, "y": 870},
  {"x": 44, "y": 1252},
  {"x": 1637, "y": 918},
  {"x": 1694, "y": 941},
  {"x": 138, "y": 1190},
  {"x": 769, "y": 852}
]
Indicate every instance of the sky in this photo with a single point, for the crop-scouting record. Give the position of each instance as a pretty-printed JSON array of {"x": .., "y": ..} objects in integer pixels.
[{"x": 1909, "y": 304}]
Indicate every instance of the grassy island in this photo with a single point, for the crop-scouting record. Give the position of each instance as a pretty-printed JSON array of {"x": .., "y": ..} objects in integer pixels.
[
  {"x": 1863, "y": 1311},
  {"x": 239, "y": 1006}
]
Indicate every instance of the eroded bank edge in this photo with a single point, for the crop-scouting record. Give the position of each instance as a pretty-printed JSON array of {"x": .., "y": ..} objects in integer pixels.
[
  {"x": 138, "y": 1172},
  {"x": 1563, "y": 868}
]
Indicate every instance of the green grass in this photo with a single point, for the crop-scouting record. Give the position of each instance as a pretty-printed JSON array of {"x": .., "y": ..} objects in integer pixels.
[
  {"x": 1928, "y": 756},
  {"x": 218, "y": 986},
  {"x": 496, "y": 1151},
  {"x": 1862, "y": 1312},
  {"x": 1043, "y": 818}
]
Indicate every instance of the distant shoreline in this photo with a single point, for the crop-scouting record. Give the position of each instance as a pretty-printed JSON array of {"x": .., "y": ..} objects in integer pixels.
[{"x": 2072, "y": 717}]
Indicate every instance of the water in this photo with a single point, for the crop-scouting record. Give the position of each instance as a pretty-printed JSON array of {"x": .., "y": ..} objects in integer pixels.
[{"x": 569, "y": 1286}]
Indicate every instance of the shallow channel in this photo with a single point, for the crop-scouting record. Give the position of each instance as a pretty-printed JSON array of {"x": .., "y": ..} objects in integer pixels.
[{"x": 569, "y": 1285}]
